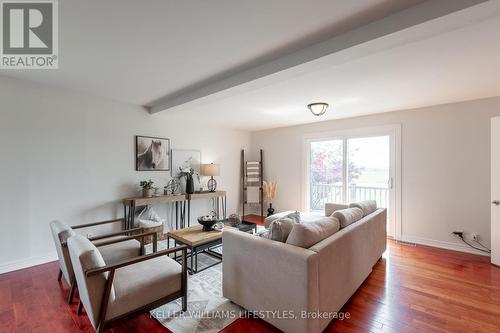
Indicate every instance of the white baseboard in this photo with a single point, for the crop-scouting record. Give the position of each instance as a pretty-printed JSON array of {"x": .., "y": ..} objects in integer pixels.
[
  {"x": 442, "y": 244},
  {"x": 28, "y": 262}
]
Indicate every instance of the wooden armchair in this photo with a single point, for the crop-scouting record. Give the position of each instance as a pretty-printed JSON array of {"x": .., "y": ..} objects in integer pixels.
[
  {"x": 114, "y": 247},
  {"x": 113, "y": 292}
]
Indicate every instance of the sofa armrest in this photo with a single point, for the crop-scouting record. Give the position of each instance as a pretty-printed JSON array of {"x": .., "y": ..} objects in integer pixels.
[{"x": 264, "y": 275}]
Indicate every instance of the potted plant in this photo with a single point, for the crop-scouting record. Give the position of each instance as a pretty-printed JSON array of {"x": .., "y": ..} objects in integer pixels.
[
  {"x": 188, "y": 173},
  {"x": 270, "y": 189},
  {"x": 147, "y": 188}
]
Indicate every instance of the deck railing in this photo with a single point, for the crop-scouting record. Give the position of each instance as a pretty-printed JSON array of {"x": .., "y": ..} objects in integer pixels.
[{"x": 323, "y": 193}]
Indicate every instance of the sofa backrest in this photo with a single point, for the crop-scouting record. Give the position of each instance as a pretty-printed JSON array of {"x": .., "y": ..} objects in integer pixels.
[
  {"x": 380, "y": 213},
  {"x": 331, "y": 207}
]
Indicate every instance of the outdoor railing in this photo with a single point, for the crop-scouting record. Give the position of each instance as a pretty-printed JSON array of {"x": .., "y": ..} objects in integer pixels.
[{"x": 323, "y": 193}]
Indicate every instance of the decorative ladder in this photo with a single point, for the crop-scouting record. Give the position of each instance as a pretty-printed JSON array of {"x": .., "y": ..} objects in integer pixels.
[{"x": 252, "y": 175}]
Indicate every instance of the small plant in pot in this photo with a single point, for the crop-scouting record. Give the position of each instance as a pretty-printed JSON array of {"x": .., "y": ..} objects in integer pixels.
[{"x": 147, "y": 188}]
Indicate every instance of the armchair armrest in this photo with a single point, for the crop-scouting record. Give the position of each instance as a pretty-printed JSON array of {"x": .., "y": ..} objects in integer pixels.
[
  {"x": 132, "y": 261},
  {"x": 124, "y": 232},
  {"x": 98, "y": 223}
]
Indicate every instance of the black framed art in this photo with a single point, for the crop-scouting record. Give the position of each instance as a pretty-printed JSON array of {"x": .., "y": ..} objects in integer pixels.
[{"x": 152, "y": 153}]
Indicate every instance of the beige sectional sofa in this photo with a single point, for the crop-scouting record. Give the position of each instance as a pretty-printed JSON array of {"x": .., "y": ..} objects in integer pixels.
[{"x": 291, "y": 287}]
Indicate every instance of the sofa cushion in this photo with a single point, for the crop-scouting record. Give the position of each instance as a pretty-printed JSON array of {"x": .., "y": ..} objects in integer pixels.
[
  {"x": 368, "y": 206},
  {"x": 306, "y": 235},
  {"x": 348, "y": 216},
  {"x": 281, "y": 228},
  {"x": 315, "y": 217},
  {"x": 331, "y": 208},
  {"x": 268, "y": 220}
]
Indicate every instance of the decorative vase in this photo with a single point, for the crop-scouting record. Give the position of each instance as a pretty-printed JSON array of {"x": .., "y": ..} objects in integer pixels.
[
  {"x": 189, "y": 184},
  {"x": 147, "y": 192},
  {"x": 234, "y": 220},
  {"x": 270, "y": 210}
]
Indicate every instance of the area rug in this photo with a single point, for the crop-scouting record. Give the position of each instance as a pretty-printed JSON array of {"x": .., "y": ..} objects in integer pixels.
[{"x": 208, "y": 311}]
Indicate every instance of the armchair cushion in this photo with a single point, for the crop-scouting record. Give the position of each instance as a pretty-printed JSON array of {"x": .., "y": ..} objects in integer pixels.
[
  {"x": 113, "y": 253},
  {"x": 61, "y": 233},
  {"x": 85, "y": 256},
  {"x": 143, "y": 283}
]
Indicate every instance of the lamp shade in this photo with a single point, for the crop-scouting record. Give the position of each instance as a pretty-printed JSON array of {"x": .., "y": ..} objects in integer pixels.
[{"x": 210, "y": 169}]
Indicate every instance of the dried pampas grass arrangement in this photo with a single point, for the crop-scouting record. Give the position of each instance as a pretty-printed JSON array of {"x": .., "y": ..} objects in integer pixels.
[{"x": 270, "y": 189}]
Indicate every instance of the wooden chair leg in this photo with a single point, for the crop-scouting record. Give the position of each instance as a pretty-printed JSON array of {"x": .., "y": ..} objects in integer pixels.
[
  {"x": 72, "y": 291},
  {"x": 184, "y": 303},
  {"x": 80, "y": 306},
  {"x": 59, "y": 276},
  {"x": 184, "y": 282}
]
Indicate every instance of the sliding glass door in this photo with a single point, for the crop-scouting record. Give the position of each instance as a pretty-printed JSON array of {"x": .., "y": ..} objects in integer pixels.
[
  {"x": 349, "y": 168},
  {"x": 326, "y": 173},
  {"x": 368, "y": 173}
]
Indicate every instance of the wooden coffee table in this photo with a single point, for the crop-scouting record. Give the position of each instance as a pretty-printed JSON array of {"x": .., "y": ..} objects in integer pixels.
[{"x": 199, "y": 241}]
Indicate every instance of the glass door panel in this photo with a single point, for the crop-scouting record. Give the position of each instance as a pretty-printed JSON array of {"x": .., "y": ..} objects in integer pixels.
[
  {"x": 326, "y": 173},
  {"x": 368, "y": 170}
]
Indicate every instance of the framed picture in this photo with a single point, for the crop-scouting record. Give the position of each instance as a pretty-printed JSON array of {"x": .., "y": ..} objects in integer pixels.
[
  {"x": 186, "y": 158},
  {"x": 152, "y": 154}
]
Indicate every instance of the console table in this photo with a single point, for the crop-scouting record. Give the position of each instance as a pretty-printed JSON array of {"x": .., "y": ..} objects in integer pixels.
[
  {"x": 220, "y": 202},
  {"x": 180, "y": 202},
  {"x": 130, "y": 205}
]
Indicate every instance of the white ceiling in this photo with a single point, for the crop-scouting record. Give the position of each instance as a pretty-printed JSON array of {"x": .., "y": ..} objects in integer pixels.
[
  {"x": 410, "y": 69},
  {"x": 140, "y": 51}
]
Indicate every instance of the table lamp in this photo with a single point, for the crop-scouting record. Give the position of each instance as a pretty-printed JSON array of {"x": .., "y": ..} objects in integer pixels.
[{"x": 210, "y": 170}]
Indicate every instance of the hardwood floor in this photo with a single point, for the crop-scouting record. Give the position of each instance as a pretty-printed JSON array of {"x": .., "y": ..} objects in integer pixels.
[
  {"x": 257, "y": 219},
  {"x": 412, "y": 289}
]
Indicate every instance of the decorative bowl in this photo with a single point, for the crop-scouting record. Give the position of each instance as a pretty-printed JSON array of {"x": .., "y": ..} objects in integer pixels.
[{"x": 207, "y": 222}]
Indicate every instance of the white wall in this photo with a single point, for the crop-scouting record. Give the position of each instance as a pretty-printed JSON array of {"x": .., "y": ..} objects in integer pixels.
[
  {"x": 445, "y": 167},
  {"x": 68, "y": 156}
]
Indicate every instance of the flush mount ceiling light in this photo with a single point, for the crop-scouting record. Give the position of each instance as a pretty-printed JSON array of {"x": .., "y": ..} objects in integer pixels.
[{"x": 318, "y": 109}]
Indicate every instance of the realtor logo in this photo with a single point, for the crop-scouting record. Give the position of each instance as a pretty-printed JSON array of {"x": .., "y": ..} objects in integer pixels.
[{"x": 29, "y": 34}]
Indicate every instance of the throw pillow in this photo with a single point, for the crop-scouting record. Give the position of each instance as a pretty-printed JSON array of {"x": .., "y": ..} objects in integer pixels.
[
  {"x": 295, "y": 216},
  {"x": 263, "y": 233},
  {"x": 280, "y": 229},
  {"x": 368, "y": 206},
  {"x": 268, "y": 220},
  {"x": 306, "y": 235},
  {"x": 348, "y": 216}
]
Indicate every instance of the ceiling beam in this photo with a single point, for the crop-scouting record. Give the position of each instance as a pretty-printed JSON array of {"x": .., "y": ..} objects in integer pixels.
[{"x": 404, "y": 19}]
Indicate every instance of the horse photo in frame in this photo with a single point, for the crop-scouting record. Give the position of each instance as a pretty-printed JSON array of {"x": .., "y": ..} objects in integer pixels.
[{"x": 152, "y": 154}]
